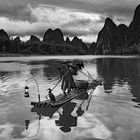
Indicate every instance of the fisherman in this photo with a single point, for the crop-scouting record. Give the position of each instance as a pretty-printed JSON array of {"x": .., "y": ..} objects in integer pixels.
[
  {"x": 66, "y": 73},
  {"x": 52, "y": 97},
  {"x": 67, "y": 80}
]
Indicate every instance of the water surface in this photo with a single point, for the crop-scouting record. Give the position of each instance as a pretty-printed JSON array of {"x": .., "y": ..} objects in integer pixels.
[{"x": 112, "y": 112}]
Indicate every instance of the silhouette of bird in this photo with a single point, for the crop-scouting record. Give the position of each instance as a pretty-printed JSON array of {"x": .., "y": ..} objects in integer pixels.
[{"x": 52, "y": 97}]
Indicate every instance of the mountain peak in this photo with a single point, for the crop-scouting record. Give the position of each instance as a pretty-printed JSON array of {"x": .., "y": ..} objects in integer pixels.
[
  {"x": 67, "y": 40},
  {"x": 137, "y": 8},
  {"x": 34, "y": 38},
  {"x": 109, "y": 23},
  {"x": 3, "y": 33},
  {"x": 76, "y": 41},
  {"x": 137, "y": 14},
  {"x": 53, "y": 36},
  {"x": 57, "y": 30},
  {"x": 17, "y": 38},
  {"x": 108, "y": 19},
  {"x": 122, "y": 27}
]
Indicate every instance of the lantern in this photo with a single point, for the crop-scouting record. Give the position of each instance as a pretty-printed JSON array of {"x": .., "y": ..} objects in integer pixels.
[
  {"x": 26, "y": 93},
  {"x": 27, "y": 124}
]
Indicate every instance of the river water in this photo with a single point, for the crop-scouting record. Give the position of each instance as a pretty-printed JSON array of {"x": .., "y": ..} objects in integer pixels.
[{"x": 111, "y": 112}]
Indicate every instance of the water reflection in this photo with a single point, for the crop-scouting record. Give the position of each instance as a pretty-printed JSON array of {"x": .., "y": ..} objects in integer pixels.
[
  {"x": 66, "y": 119},
  {"x": 107, "y": 114},
  {"x": 120, "y": 71}
]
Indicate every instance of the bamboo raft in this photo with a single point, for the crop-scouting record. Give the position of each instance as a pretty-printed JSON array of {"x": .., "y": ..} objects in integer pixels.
[{"x": 62, "y": 99}]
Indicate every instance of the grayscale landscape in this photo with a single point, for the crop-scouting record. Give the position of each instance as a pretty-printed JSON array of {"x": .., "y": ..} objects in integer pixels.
[{"x": 69, "y": 70}]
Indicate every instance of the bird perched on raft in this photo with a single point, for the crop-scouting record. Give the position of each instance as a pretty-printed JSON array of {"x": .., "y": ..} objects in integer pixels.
[{"x": 52, "y": 97}]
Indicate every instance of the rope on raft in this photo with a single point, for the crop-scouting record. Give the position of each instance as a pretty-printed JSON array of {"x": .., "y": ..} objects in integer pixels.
[
  {"x": 85, "y": 74},
  {"x": 89, "y": 76},
  {"x": 89, "y": 73}
]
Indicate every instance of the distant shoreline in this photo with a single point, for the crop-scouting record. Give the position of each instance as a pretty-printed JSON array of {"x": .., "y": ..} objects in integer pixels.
[
  {"x": 18, "y": 57},
  {"x": 27, "y": 55},
  {"x": 12, "y": 55}
]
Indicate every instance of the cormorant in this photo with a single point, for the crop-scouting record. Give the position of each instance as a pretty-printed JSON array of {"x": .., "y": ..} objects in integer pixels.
[{"x": 52, "y": 97}]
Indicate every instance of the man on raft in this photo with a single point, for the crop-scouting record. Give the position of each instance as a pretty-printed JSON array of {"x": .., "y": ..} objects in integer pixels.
[
  {"x": 67, "y": 80},
  {"x": 66, "y": 73}
]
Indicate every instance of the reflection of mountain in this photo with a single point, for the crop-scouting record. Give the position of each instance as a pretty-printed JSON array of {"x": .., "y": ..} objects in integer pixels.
[
  {"x": 48, "y": 69},
  {"x": 119, "y": 71}
]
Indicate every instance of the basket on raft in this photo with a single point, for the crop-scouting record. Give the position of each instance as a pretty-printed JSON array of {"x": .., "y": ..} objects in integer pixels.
[{"x": 81, "y": 84}]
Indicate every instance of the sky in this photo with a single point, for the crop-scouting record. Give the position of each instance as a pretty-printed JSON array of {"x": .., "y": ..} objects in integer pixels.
[{"x": 81, "y": 18}]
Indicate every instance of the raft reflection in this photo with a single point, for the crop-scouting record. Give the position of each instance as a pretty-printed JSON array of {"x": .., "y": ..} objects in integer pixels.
[{"x": 66, "y": 119}]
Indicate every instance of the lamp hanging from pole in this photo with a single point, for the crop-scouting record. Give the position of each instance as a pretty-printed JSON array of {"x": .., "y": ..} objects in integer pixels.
[{"x": 26, "y": 93}]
